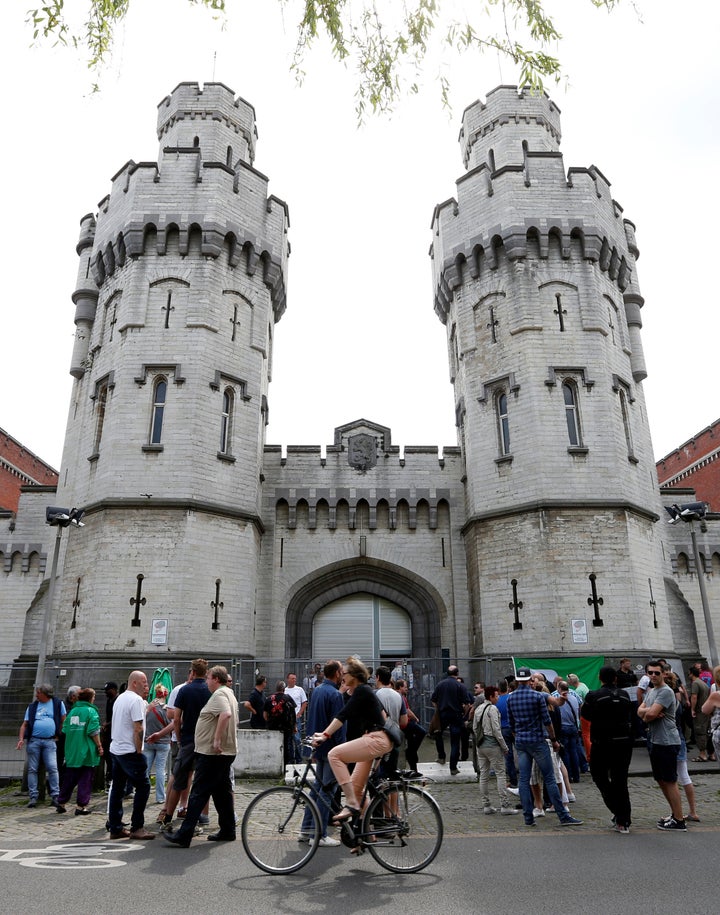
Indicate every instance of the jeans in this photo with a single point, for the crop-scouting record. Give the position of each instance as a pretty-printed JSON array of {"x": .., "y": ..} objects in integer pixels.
[
  {"x": 297, "y": 746},
  {"x": 158, "y": 753},
  {"x": 540, "y": 752},
  {"x": 129, "y": 769},
  {"x": 211, "y": 780},
  {"x": 322, "y": 793},
  {"x": 609, "y": 764},
  {"x": 414, "y": 736},
  {"x": 571, "y": 752},
  {"x": 510, "y": 768},
  {"x": 456, "y": 729},
  {"x": 46, "y": 749}
]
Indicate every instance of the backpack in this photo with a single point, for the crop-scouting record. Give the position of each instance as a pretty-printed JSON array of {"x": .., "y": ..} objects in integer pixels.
[{"x": 278, "y": 712}]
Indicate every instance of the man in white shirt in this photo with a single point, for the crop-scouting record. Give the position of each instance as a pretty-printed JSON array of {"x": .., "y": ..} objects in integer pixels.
[
  {"x": 299, "y": 697},
  {"x": 392, "y": 703},
  {"x": 129, "y": 763}
]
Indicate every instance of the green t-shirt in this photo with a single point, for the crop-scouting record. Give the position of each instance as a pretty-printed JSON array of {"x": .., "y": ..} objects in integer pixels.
[{"x": 81, "y": 723}]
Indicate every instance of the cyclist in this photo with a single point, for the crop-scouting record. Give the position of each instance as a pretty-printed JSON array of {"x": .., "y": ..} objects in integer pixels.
[{"x": 364, "y": 715}]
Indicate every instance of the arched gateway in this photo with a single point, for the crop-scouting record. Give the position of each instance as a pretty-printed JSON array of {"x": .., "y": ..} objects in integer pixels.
[{"x": 390, "y": 584}]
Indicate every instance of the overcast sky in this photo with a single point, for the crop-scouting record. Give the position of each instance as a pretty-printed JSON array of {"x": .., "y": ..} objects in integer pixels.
[{"x": 360, "y": 337}]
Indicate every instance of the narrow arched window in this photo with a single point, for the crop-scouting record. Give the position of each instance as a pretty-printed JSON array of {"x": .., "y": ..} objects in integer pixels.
[
  {"x": 572, "y": 415},
  {"x": 100, "y": 404},
  {"x": 228, "y": 157},
  {"x": 226, "y": 421},
  {"x": 626, "y": 423},
  {"x": 158, "y": 411},
  {"x": 501, "y": 408}
]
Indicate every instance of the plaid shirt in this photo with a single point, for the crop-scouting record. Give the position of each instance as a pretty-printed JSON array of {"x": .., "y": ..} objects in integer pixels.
[{"x": 529, "y": 714}]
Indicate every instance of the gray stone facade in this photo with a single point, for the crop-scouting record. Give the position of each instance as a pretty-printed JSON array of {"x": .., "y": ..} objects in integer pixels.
[{"x": 549, "y": 500}]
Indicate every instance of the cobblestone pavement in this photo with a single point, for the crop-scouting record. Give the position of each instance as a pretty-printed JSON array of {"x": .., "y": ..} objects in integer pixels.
[{"x": 458, "y": 798}]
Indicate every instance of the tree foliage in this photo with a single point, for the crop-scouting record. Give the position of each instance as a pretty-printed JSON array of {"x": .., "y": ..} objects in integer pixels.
[{"x": 388, "y": 42}]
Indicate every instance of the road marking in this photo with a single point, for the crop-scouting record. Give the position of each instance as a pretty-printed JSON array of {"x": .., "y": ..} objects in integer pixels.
[{"x": 71, "y": 856}]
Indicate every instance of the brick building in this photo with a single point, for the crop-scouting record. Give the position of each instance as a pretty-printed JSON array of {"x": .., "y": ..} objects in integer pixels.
[
  {"x": 20, "y": 467},
  {"x": 696, "y": 465},
  {"x": 535, "y": 534}
]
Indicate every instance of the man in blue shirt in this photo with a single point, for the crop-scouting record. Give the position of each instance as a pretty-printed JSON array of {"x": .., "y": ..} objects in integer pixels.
[
  {"x": 326, "y": 700},
  {"x": 530, "y": 719},
  {"x": 40, "y": 731},
  {"x": 510, "y": 770},
  {"x": 570, "y": 729}
]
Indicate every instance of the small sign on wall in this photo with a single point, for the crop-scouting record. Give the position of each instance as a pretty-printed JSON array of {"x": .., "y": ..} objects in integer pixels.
[
  {"x": 579, "y": 632},
  {"x": 159, "y": 632}
]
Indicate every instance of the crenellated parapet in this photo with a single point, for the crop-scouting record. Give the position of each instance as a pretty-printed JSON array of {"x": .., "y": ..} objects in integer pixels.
[
  {"x": 518, "y": 209},
  {"x": 23, "y": 558},
  {"x": 203, "y": 185},
  {"x": 362, "y": 479},
  {"x": 232, "y": 240},
  {"x": 344, "y": 508},
  {"x": 492, "y": 131},
  {"x": 183, "y": 114},
  {"x": 471, "y": 240}
]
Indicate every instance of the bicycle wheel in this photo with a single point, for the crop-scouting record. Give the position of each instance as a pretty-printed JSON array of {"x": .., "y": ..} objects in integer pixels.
[
  {"x": 272, "y": 830},
  {"x": 403, "y": 829}
]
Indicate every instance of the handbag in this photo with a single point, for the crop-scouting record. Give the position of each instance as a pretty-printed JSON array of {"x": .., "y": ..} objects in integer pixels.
[
  {"x": 479, "y": 730},
  {"x": 435, "y": 727},
  {"x": 393, "y": 731}
]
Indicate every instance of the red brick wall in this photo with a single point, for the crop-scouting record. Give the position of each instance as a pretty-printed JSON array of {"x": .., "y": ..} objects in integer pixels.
[
  {"x": 695, "y": 464},
  {"x": 20, "y": 467}
]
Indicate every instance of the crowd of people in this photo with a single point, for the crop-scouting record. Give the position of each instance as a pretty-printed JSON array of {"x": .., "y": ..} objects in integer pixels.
[
  {"x": 538, "y": 738},
  {"x": 535, "y": 737}
]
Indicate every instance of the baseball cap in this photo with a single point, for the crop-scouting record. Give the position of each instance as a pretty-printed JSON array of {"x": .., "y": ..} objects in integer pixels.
[
  {"x": 523, "y": 674},
  {"x": 110, "y": 685}
]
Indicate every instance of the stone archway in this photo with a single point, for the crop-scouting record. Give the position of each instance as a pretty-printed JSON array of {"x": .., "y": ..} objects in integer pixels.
[{"x": 406, "y": 589}]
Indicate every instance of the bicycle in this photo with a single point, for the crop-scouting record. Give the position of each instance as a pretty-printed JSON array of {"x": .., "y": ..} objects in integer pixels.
[{"x": 401, "y": 825}]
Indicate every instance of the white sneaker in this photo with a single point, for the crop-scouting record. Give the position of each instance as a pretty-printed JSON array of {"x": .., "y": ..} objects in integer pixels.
[
  {"x": 571, "y": 798},
  {"x": 508, "y": 811},
  {"x": 537, "y": 812},
  {"x": 489, "y": 810},
  {"x": 515, "y": 791},
  {"x": 327, "y": 842},
  {"x": 303, "y": 838}
]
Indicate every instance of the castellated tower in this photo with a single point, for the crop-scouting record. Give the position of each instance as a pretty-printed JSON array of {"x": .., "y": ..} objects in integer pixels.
[
  {"x": 180, "y": 283},
  {"x": 535, "y": 279}
]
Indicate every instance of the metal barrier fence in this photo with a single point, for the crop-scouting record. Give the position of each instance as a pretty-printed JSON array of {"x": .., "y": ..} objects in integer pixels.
[{"x": 17, "y": 684}]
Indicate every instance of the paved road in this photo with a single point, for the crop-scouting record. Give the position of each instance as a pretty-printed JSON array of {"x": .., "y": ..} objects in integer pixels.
[{"x": 488, "y": 864}]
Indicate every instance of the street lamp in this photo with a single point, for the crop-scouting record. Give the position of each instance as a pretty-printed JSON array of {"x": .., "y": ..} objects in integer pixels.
[
  {"x": 691, "y": 512},
  {"x": 59, "y": 518}
]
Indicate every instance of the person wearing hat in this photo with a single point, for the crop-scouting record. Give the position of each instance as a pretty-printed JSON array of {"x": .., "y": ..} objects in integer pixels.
[{"x": 533, "y": 730}]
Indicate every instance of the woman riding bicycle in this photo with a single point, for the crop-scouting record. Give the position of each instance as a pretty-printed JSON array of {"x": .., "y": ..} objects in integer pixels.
[{"x": 364, "y": 715}]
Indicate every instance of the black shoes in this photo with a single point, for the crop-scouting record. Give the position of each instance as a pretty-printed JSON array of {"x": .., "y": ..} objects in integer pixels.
[
  {"x": 221, "y": 837},
  {"x": 174, "y": 838}
]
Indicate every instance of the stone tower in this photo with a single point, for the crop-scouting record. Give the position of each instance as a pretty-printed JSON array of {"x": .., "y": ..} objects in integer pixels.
[
  {"x": 535, "y": 279},
  {"x": 181, "y": 280}
]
